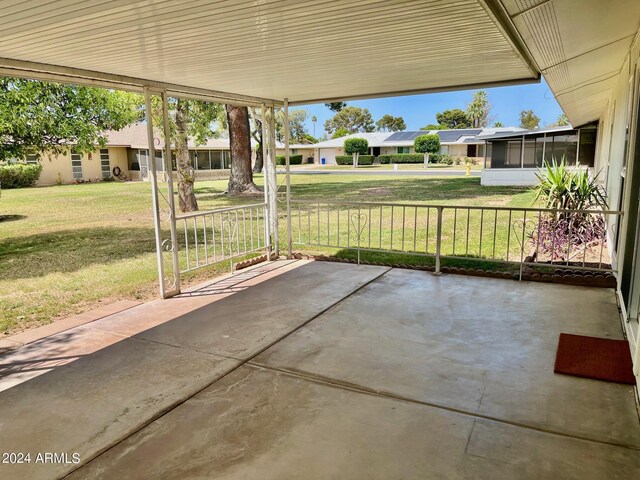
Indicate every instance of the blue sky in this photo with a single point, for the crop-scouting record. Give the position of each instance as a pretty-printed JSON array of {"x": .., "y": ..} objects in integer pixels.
[{"x": 420, "y": 110}]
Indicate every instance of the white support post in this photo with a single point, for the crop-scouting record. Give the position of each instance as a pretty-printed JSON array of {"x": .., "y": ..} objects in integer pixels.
[
  {"x": 273, "y": 181},
  {"x": 288, "y": 173},
  {"x": 267, "y": 222},
  {"x": 168, "y": 167},
  {"x": 154, "y": 190}
]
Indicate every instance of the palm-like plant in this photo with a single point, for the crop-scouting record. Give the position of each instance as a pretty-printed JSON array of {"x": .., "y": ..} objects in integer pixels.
[
  {"x": 574, "y": 195},
  {"x": 564, "y": 189}
]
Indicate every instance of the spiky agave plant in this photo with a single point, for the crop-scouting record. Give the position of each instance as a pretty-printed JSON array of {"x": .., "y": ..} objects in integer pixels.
[
  {"x": 568, "y": 189},
  {"x": 574, "y": 195}
]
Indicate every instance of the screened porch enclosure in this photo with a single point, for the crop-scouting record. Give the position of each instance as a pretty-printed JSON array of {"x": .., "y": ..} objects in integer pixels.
[{"x": 534, "y": 150}]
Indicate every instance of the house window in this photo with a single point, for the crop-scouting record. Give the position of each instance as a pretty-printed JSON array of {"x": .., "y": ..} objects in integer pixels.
[
  {"x": 587, "y": 146},
  {"x": 216, "y": 159},
  {"x": 403, "y": 149},
  {"x": 564, "y": 148},
  {"x": 159, "y": 160},
  {"x": 444, "y": 149},
  {"x": 76, "y": 165},
  {"x": 32, "y": 159},
  {"x": 529, "y": 153},
  {"x": 203, "y": 160},
  {"x": 514, "y": 153},
  {"x": 105, "y": 164},
  {"x": 226, "y": 158}
]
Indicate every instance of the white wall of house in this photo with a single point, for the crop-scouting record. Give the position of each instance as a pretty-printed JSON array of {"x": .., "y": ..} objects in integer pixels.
[
  {"x": 329, "y": 155},
  {"x": 522, "y": 177},
  {"x": 508, "y": 176},
  {"x": 615, "y": 156}
]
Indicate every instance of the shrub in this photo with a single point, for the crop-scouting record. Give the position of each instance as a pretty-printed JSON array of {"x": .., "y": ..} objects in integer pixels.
[
  {"x": 356, "y": 145},
  {"x": 427, "y": 143},
  {"x": 442, "y": 158},
  {"x": 293, "y": 160},
  {"x": 402, "y": 158},
  {"x": 19, "y": 175},
  {"x": 348, "y": 160},
  {"x": 563, "y": 189}
]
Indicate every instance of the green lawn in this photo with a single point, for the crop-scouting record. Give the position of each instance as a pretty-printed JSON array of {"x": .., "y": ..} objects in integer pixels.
[{"x": 65, "y": 249}]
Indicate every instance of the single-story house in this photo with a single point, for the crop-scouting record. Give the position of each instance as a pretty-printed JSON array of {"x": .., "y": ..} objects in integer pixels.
[
  {"x": 307, "y": 150},
  {"x": 127, "y": 152},
  {"x": 457, "y": 143},
  {"x": 515, "y": 158}
]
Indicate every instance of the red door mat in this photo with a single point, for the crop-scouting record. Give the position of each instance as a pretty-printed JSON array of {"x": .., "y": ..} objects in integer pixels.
[{"x": 591, "y": 357}]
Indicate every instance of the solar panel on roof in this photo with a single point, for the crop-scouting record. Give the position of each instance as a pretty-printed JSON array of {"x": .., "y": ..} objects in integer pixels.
[
  {"x": 393, "y": 137},
  {"x": 454, "y": 135}
]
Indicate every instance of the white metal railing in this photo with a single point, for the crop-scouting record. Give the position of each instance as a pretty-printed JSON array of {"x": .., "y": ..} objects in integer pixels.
[
  {"x": 209, "y": 237},
  {"x": 575, "y": 239}
]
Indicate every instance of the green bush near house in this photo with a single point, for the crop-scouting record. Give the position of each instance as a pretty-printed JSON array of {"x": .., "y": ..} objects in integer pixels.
[
  {"x": 293, "y": 160},
  {"x": 442, "y": 158},
  {"x": 356, "y": 145},
  {"x": 415, "y": 158},
  {"x": 427, "y": 144},
  {"x": 19, "y": 175},
  {"x": 348, "y": 160},
  {"x": 401, "y": 158}
]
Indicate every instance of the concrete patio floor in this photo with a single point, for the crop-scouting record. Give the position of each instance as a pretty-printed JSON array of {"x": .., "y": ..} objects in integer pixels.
[{"x": 325, "y": 370}]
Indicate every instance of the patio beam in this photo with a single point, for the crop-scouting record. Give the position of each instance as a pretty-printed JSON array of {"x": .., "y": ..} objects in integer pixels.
[{"x": 77, "y": 76}]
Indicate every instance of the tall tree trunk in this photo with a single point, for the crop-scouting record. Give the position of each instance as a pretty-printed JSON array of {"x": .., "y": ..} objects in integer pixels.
[
  {"x": 186, "y": 174},
  {"x": 241, "y": 178}
]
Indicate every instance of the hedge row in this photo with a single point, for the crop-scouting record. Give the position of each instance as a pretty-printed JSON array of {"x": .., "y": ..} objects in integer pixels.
[
  {"x": 416, "y": 158},
  {"x": 19, "y": 175},
  {"x": 293, "y": 160},
  {"x": 348, "y": 160}
]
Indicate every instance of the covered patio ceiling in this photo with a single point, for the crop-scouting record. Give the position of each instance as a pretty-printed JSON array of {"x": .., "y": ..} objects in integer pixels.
[
  {"x": 306, "y": 51},
  {"x": 579, "y": 46},
  {"x": 315, "y": 51}
]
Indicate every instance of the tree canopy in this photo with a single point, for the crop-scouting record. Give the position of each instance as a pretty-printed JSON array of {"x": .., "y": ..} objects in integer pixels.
[
  {"x": 478, "y": 110},
  {"x": 200, "y": 116},
  {"x": 297, "y": 129},
  {"x": 359, "y": 146},
  {"x": 453, "y": 119},
  {"x": 335, "y": 106},
  {"x": 562, "y": 121},
  {"x": 42, "y": 116},
  {"x": 340, "y": 132},
  {"x": 498, "y": 124},
  {"x": 351, "y": 119},
  {"x": 389, "y": 123},
  {"x": 432, "y": 126},
  {"x": 529, "y": 120},
  {"x": 427, "y": 143}
]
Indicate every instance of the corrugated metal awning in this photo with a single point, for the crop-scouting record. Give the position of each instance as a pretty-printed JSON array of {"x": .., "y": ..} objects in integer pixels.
[{"x": 305, "y": 51}]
